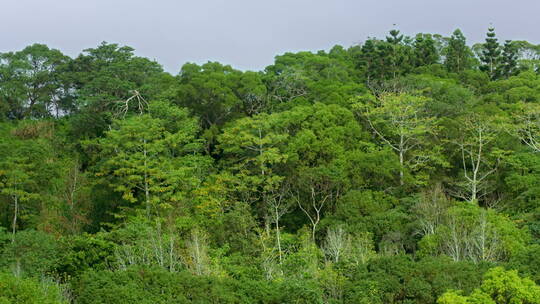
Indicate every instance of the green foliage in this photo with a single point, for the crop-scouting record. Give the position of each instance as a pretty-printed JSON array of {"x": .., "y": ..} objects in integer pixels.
[
  {"x": 151, "y": 161},
  {"x": 425, "y": 51},
  {"x": 509, "y": 59},
  {"x": 257, "y": 143},
  {"x": 468, "y": 232},
  {"x": 30, "y": 254},
  {"x": 491, "y": 55},
  {"x": 458, "y": 55},
  {"x": 527, "y": 262},
  {"x": 104, "y": 77},
  {"x": 28, "y": 170},
  {"x": 402, "y": 123},
  {"x": 499, "y": 286},
  {"x": 84, "y": 252},
  {"x": 399, "y": 170},
  {"x": 398, "y": 279},
  {"x": 32, "y": 83},
  {"x": 147, "y": 285},
  {"x": 212, "y": 91},
  {"x": 15, "y": 290},
  {"x": 383, "y": 60}
]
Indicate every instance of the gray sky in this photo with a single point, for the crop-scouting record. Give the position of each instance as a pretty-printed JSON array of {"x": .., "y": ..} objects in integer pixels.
[{"x": 248, "y": 33}]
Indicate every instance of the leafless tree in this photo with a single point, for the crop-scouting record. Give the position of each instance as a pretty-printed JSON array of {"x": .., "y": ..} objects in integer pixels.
[
  {"x": 526, "y": 125},
  {"x": 321, "y": 192},
  {"x": 453, "y": 244},
  {"x": 337, "y": 243},
  {"x": 269, "y": 258},
  {"x": 123, "y": 106},
  {"x": 476, "y": 135},
  {"x": 430, "y": 209},
  {"x": 279, "y": 203},
  {"x": 197, "y": 257},
  {"x": 484, "y": 243},
  {"x": 155, "y": 248},
  {"x": 474, "y": 239}
]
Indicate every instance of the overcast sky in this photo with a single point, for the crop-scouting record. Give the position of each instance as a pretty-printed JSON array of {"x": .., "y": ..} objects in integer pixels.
[{"x": 248, "y": 33}]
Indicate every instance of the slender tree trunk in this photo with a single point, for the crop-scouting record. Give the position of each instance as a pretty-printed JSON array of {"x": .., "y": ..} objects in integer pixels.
[
  {"x": 315, "y": 223},
  {"x": 197, "y": 255},
  {"x": 15, "y": 213},
  {"x": 476, "y": 167},
  {"x": 313, "y": 219},
  {"x": 401, "y": 168},
  {"x": 171, "y": 254},
  {"x": 401, "y": 160},
  {"x": 147, "y": 194},
  {"x": 278, "y": 235},
  {"x": 474, "y": 189}
]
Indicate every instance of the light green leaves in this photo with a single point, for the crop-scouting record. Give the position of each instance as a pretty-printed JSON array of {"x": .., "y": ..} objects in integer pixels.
[{"x": 499, "y": 287}]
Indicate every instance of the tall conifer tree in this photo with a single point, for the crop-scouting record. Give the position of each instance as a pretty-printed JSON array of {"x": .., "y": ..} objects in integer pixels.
[
  {"x": 509, "y": 59},
  {"x": 491, "y": 55}
]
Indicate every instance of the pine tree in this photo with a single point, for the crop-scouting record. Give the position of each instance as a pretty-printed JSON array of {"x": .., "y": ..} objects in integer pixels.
[
  {"x": 425, "y": 52},
  {"x": 368, "y": 59},
  {"x": 491, "y": 55},
  {"x": 396, "y": 54},
  {"x": 509, "y": 59},
  {"x": 458, "y": 54},
  {"x": 395, "y": 37}
]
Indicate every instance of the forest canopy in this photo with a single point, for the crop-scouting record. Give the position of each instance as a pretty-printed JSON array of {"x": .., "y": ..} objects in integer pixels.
[{"x": 405, "y": 169}]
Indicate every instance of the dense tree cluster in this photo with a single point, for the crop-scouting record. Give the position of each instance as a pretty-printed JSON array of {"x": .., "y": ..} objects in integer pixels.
[{"x": 402, "y": 170}]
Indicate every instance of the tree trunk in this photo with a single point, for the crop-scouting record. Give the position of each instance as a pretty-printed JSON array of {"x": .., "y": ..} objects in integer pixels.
[
  {"x": 15, "y": 213},
  {"x": 315, "y": 223},
  {"x": 401, "y": 168},
  {"x": 474, "y": 190},
  {"x": 401, "y": 159},
  {"x": 278, "y": 236}
]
